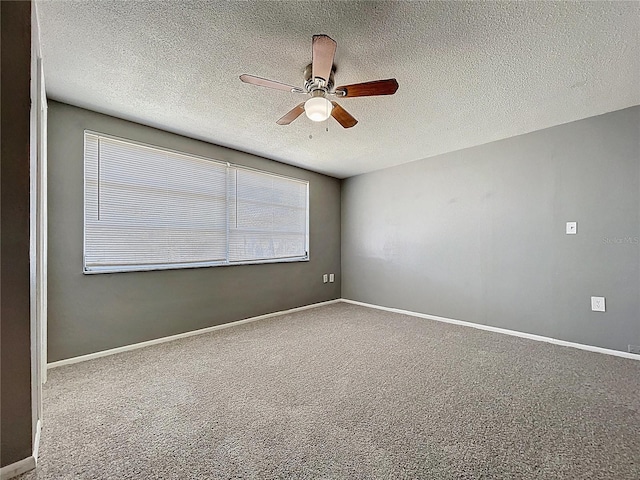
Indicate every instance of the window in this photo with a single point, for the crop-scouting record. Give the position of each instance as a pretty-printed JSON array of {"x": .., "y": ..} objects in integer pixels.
[{"x": 148, "y": 208}]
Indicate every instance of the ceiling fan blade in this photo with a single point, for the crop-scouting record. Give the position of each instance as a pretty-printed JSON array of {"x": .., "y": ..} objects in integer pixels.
[
  {"x": 291, "y": 115},
  {"x": 343, "y": 117},
  {"x": 369, "y": 89},
  {"x": 323, "y": 51},
  {"x": 263, "y": 82}
]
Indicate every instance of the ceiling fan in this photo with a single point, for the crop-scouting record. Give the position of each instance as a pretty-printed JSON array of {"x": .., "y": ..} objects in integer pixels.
[{"x": 319, "y": 85}]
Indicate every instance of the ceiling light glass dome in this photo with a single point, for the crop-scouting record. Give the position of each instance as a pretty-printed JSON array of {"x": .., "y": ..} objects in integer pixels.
[{"x": 318, "y": 109}]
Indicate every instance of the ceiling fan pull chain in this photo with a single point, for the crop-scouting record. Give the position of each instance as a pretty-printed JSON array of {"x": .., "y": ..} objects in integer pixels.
[{"x": 326, "y": 122}]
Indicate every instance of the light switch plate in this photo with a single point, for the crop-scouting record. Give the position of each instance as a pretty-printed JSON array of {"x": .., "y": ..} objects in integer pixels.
[
  {"x": 572, "y": 228},
  {"x": 331, "y": 278},
  {"x": 597, "y": 304},
  {"x": 325, "y": 278}
]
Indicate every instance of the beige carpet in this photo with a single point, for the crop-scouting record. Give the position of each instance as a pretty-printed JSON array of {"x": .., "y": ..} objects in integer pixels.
[{"x": 343, "y": 391}]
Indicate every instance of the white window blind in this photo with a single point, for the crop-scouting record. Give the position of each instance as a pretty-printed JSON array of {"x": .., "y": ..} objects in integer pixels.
[
  {"x": 267, "y": 216},
  {"x": 148, "y": 208}
]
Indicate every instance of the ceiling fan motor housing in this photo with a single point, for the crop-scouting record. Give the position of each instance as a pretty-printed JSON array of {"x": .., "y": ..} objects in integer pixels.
[{"x": 318, "y": 84}]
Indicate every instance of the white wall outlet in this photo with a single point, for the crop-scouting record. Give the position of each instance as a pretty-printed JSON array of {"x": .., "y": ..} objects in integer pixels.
[
  {"x": 597, "y": 304},
  {"x": 572, "y": 228},
  {"x": 325, "y": 278},
  {"x": 331, "y": 278}
]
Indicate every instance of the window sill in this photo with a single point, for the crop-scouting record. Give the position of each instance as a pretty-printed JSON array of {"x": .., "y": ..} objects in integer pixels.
[{"x": 182, "y": 266}]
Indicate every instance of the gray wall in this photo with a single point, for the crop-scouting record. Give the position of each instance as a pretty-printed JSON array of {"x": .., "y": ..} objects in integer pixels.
[
  {"x": 89, "y": 313},
  {"x": 15, "y": 374},
  {"x": 479, "y": 234}
]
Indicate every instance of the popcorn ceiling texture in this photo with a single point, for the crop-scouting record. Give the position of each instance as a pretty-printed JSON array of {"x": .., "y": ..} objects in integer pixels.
[{"x": 469, "y": 73}]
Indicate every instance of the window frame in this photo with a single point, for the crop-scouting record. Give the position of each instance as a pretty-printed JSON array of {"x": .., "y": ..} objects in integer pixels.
[{"x": 178, "y": 266}]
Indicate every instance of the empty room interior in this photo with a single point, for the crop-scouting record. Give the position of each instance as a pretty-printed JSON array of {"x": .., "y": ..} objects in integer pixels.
[{"x": 320, "y": 239}]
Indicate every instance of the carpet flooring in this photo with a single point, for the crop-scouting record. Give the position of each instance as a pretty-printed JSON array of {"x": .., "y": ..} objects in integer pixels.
[{"x": 343, "y": 391}]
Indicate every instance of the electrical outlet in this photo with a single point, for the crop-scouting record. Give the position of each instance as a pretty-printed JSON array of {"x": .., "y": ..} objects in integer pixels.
[
  {"x": 325, "y": 278},
  {"x": 634, "y": 349},
  {"x": 331, "y": 278},
  {"x": 597, "y": 304}
]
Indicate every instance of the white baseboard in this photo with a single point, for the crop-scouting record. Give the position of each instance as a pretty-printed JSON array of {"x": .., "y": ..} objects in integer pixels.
[
  {"x": 17, "y": 468},
  {"x": 505, "y": 331},
  {"x": 530, "y": 336},
  {"x": 25, "y": 464},
  {"x": 126, "y": 348}
]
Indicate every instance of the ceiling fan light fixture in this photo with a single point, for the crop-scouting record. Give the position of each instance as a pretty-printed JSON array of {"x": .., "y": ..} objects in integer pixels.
[{"x": 318, "y": 109}]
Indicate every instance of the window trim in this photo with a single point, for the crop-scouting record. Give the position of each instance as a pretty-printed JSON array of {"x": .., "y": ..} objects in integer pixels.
[{"x": 178, "y": 266}]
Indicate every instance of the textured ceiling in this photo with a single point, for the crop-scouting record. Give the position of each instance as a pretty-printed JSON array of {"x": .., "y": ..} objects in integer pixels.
[{"x": 469, "y": 73}]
